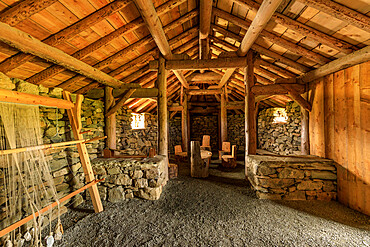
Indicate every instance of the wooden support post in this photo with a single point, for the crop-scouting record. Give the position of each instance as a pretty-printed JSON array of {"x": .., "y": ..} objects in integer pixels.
[
  {"x": 305, "y": 138},
  {"x": 74, "y": 116},
  {"x": 110, "y": 122},
  {"x": 250, "y": 123},
  {"x": 162, "y": 108},
  {"x": 198, "y": 167},
  {"x": 223, "y": 117},
  {"x": 185, "y": 123}
]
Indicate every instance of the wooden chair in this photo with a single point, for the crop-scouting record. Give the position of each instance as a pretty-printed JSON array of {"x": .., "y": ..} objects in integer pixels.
[
  {"x": 228, "y": 160},
  {"x": 206, "y": 143},
  {"x": 225, "y": 149},
  {"x": 179, "y": 154}
]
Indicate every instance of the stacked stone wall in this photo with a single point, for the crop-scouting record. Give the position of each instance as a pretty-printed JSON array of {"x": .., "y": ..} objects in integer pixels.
[
  {"x": 280, "y": 138},
  {"x": 290, "y": 178},
  {"x": 204, "y": 125}
]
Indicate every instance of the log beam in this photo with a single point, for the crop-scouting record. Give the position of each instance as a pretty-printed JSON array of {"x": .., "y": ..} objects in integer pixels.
[
  {"x": 204, "y": 91},
  {"x": 275, "y": 89},
  {"x": 305, "y": 137},
  {"x": 185, "y": 131},
  {"x": 28, "y": 44},
  {"x": 223, "y": 117},
  {"x": 301, "y": 28},
  {"x": 113, "y": 109},
  {"x": 249, "y": 109},
  {"x": 110, "y": 122},
  {"x": 196, "y": 64}
]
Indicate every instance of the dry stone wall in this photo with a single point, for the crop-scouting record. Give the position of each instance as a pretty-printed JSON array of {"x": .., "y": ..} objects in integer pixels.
[
  {"x": 291, "y": 178},
  {"x": 129, "y": 178},
  {"x": 283, "y": 139},
  {"x": 235, "y": 131},
  {"x": 175, "y": 137},
  {"x": 204, "y": 125}
]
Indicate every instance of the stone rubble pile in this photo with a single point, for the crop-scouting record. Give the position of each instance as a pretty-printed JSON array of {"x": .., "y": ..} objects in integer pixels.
[{"x": 292, "y": 178}]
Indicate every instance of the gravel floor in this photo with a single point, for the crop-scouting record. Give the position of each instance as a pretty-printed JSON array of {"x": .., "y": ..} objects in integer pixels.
[{"x": 218, "y": 211}]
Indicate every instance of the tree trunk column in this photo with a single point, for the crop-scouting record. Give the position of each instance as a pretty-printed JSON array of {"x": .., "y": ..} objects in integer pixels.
[
  {"x": 185, "y": 124},
  {"x": 250, "y": 121},
  {"x": 223, "y": 117},
  {"x": 162, "y": 109},
  {"x": 305, "y": 141},
  {"x": 110, "y": 122}
]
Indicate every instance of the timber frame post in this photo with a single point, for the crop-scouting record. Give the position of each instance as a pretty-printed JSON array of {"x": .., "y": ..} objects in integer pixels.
[
  {"x": 185, "y": 123},
  {"x": 74, "y": 116},
  {"x": 162, "y": 111},
  {"x": 110, "y": 121},
  {"x": 223, "y": 116},
  {"x": 305, "y": 137},
  {"x": 250, "y": 121}
]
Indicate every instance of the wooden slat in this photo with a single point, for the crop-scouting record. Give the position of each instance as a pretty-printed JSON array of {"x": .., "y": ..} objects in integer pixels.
[
  {"x": 31, "y": 99},
  {"x": 65, "y": 34}
]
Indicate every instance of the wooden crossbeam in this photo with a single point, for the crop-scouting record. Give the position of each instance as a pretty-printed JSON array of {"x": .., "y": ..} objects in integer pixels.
[
  {"x": 196, "y": 64},
  {"x": 204, "y": 91},
  {"x": 275, "y": 89},
  {"x": 65, "y": 34},
  {"x": 31, "y": 99},
  {"x": 301, "y": 28}
]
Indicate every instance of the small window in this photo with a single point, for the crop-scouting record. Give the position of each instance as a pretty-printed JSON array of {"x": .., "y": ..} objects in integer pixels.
[
  {"x": 138, "y": 121},
  {"x": 280, "y": 116}
]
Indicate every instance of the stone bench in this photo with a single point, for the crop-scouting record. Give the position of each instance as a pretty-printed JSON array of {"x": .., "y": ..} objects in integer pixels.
[
  {"x": 292, "y": 178},
  {"x": 129, "y": 178}
]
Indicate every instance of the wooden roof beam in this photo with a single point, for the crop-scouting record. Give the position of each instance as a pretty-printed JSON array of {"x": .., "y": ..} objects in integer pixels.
[
  {"x": 301, "y": 28},
  {"x": 263, "y": 15},
  {"x": 23, "y": 10},
  {"x": 259, "y": 49},
  {"x": 205, "y": 13},
  {"x": 26, "y": 43},
  {"x": 80, "y": 54},
  {"x": 299, "y": 50},
  {"x": 147, "y": 11},
  {"x": 67, "y": 33},
  {"x": 341, "y": 12}
]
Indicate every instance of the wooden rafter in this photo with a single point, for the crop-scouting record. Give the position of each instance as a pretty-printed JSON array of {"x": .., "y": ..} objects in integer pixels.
[
  {"x": 301, "y": 28},
  {"x": 26, "y": 43},
  {"x": 67, "y": 33},
  {"x": 80, "y": 54}
]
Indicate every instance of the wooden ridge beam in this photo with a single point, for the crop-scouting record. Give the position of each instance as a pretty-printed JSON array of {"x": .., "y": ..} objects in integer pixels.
[
  {"x": 301, "y": 28},
  {"x": 275, "y": 89},
  {"x": 23, "y": 10},
  {"x": 204, "y": 91},
  {"x": 28, "y": 44},
  {"x": 299, "y": 50},
  {"x": 220, "y": 63},
  {"x": 341, "y": 12},
  {"x": 65, "y": 34}
]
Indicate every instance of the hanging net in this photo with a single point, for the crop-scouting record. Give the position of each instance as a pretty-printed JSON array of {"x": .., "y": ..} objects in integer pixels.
[{"x": 26, "y": 181}]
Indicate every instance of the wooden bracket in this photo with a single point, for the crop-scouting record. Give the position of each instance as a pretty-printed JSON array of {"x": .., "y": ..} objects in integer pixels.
[
  {"x": 298, "y": 98},
  {"x": 120, "y": 102}
]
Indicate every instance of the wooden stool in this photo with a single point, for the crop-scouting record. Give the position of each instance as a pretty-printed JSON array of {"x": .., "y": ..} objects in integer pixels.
[
  {"x": 229, "y": 161},
  {"x": 179, "y": 154}
]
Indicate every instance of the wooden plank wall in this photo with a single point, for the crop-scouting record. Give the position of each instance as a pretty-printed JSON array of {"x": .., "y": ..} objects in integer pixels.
[{"x": 340, "y": 130}]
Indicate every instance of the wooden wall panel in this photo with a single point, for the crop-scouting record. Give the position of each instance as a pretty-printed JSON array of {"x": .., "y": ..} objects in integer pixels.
[{"x": 340, "y": 130}]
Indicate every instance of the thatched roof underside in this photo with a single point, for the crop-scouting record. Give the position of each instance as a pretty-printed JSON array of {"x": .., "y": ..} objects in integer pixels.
[{"x": 285, "y": 51}]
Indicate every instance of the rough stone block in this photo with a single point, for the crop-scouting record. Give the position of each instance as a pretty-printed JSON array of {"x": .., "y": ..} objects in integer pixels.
[
  {"x": 123, "y": 179},
  {"x": 329, "y": 186},
  {"x": 61, "y": 172},
  {"x": 267, "y": 196},
  {"x": 116, "y": 194},
  {"x": 276, "y": 182},
  {"x": 297, "y": 195},
  {"x": 56, "y": 165},
  {"x": 152, "y": 173},
  {"x": 149, "y": 193},
  {"x": 114, "y": 171},
  {"x": 141, "y": 182},
  {"x": 265, "y": 170},
  {"x": 291, "y": 173},
  {"x": 309, "y": 185},
  {"x": 326, "y": 196},
  {"x": 136, "y": 174},
  {"x": 324, "y": 175}
]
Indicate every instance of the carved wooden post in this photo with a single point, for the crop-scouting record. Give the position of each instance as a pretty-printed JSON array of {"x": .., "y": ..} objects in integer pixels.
[
  {"x": 223, "y": 117},
  {"x": 305, "y": 141},
  {"x": 250, "y": 123},
  {"x": 185, "y": 124},
  {"x": 162, "y": 108},
  {"x": 110, "y": 122},
  {"x": 198, "y": 167}
]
